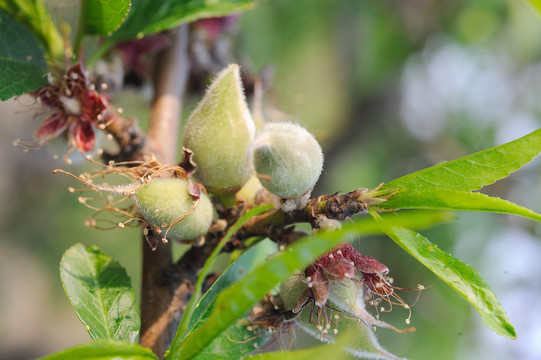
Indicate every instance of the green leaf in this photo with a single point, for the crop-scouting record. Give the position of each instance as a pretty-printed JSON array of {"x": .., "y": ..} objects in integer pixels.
[
  {"x": 236, "y": 300},
  {"x": 34, "y": 15},
  {"x": 104, "y": 350},
  {"x": 536, "y": 4},
  {"x": 232, "y": 344},
  {"x": 100, "y": 292},
  {"x": 464, "y": 279},
  {"x": 454, "y": 200},
  {"x": 415, "y": 219},
  {"x": 22, "y": 63},
  {"x": 246, "y": 263},
  {"x": 210, "y": 261},
  {"x": 102, "y": 17},
  {"x": 474, "y": 171},
  {"x": 150, "y": 16},
  {"x": 237, "y": 340}
]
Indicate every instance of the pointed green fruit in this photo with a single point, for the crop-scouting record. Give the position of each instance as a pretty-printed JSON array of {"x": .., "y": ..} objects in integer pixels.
[
  {"x": 165, "y": 201},
  {"x": 219, "y": 132},
  {"x": 288, "y": 159}
]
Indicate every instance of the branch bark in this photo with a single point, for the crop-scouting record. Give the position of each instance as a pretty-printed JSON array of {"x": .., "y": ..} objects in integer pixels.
[
  {"x": 160, "y": 308},
  {"x": 318, "y": 211}
]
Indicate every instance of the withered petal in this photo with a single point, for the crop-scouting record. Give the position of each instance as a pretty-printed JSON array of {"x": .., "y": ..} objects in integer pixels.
[
  {"x": 53, "y": 126},
  {"x": 82, "y": 136}
]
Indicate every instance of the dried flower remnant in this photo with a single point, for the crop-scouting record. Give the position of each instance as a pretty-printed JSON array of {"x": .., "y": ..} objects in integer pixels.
[
  {"x": 268, "y": 319},
  {"x": 77, "y": 107},
  {"x": 352, "y": 278},
  {"x": 343, "y": 280}
]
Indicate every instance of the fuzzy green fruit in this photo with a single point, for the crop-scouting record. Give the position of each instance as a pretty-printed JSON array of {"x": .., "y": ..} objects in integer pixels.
[
  {"x": 290, "y": 159},
  {"x": 166, "y": 200},
  {"x": 291, "y": 290},
  {"x": 219, "y": 132}
]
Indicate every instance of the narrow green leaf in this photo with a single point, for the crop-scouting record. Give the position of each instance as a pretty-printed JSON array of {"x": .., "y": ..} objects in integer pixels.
[
  {"x": 464, "y": 279},
  {"x": 235, "y": 301},
  {"x": 104, "y": 350},
  {"x": 100, "y": 292},
  {"x": 454, "y": 200},
  {"x": 208, "y": 265},
  {"x": 474, "y": 171},
  {"x": 34, "y": 15},
  {"x": 102, "y": 17},
  {"x": 237, "y": 340},
  {"x": 150, "y": 16},
  {"x": 415, "y": 220},
  {"x": 536, "y": 4},
  {"x": 234, "y": 343},
  {"x": 246, "y": 263},
  {"x": 22, "y": 62}
]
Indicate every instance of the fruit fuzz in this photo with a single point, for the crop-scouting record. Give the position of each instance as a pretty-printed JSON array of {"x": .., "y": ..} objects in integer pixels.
[
  {"x": 288, "y": 159},
  {"x": 167, "y": 201},
  {"x": 219, "y": 132}
]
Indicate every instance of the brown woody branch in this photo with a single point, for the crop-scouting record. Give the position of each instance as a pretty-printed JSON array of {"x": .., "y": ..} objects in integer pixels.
[
  {"x": 127, "y": 134},
  {"x": 163, "y": 295},
  {"x": 326, "y": 207}
]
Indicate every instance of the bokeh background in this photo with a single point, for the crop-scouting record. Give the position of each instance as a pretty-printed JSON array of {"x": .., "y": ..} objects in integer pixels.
[{"x": 388, "y": 87}]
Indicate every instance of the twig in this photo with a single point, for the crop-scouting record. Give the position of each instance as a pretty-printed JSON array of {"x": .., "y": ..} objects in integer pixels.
[
  {"x": 326, "y": 207},
  {"x": 163, "y": 295},
  {"x": 127, "y": 133}
]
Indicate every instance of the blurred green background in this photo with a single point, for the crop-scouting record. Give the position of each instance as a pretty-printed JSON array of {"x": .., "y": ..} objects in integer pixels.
[{"x": 388, "y": 87}]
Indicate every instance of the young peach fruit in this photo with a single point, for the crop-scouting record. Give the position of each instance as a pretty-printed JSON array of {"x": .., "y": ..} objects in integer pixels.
[
  {"x": 288, "y": 159},
  {"x": 166, "y": 201},
  {"x": 219, "y": 132}
]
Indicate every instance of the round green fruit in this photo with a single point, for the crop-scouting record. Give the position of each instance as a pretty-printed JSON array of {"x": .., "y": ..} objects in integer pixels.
[
  {"x": 165, "y": 201},
  {"x": 288, "y": 159}
]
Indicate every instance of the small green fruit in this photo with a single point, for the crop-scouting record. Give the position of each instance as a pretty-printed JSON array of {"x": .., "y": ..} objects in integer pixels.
[
  {"x": 219, "y": 132},
  {"x": 291, "y": 290},
  {"x": 289, "y": 158},
  {"x": 167, "y": 200}
]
